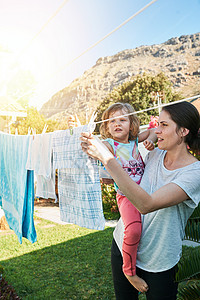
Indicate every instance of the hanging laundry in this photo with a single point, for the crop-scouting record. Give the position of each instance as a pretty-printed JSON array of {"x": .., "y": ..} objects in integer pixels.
[
  {"x": 40, "y": 160},
  {"x": 17, "y": 185},
  {"x": 79, "y": 186}
]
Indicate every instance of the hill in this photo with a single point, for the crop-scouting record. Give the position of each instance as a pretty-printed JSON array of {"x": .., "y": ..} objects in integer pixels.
[{"x": 178, "y": 58}]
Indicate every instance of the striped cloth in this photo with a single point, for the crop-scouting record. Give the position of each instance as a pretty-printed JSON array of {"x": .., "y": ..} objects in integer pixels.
[
  {"x": 17, "y": 185},
  {"x": 79, "y": 186}
]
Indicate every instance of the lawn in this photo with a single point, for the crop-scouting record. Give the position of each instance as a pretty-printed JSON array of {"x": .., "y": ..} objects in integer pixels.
[{"x": 67, "y": 262}]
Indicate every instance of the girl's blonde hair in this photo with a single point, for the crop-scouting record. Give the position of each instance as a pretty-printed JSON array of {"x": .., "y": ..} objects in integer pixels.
[{"x": 126, "y": 108}]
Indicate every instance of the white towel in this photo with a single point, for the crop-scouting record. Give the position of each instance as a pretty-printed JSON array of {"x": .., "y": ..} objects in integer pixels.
[{"x": 40, "y": 160}]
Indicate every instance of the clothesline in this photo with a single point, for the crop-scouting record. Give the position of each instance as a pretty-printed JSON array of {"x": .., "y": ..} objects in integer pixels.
[
  {"x": 79, "y": 187},
  {"x": 147, "y": 109},
  {"x": 133, "y": 113}
]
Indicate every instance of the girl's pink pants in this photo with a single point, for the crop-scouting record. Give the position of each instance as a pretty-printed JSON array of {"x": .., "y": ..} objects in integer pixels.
[{"x": 133, "y": 229}]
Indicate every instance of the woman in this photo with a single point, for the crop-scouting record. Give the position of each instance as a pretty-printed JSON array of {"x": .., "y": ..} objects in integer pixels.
[{"x": 167, "y": 195}]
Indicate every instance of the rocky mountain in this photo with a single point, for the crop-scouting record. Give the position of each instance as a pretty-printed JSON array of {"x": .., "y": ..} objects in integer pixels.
[{"x": 178, "y": 58}]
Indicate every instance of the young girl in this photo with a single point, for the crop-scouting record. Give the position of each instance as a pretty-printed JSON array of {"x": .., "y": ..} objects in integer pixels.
[{"x": 121, "y": 136}]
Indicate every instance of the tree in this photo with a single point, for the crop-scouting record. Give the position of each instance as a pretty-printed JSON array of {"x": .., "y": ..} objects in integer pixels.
[
  {"x": 139, "y": 93},
  {"x": 34, "y": 120}
]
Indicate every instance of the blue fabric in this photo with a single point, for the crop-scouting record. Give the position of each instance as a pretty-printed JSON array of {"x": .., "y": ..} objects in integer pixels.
[{"x": 17, "y": 185}]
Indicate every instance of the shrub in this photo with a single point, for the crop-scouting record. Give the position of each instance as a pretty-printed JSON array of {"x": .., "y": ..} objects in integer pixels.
[{"x": 110, "y": 207}]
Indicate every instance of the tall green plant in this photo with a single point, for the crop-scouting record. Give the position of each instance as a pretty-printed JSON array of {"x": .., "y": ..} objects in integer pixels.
[{"x": 188, "y": 274}]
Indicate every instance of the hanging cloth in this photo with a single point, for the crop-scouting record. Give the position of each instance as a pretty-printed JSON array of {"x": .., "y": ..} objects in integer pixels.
[
  {"x": 79, "y": 186},
  {"x": 40, "y": 160},
  {"x": 17, "y": 185}
]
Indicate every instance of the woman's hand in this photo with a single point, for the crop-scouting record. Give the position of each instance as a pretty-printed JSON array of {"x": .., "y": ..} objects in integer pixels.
[{"x": 94, "y": 147}]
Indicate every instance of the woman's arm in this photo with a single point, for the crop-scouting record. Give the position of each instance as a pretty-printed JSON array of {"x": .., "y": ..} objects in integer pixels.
[{"x": 168, "y": 195}]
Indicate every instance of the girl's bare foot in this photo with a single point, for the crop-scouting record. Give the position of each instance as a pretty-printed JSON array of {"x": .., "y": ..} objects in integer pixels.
[{"x": 138, "y": 283}]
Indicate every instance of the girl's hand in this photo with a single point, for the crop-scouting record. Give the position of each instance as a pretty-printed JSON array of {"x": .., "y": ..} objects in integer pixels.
[
  {"x": 149, "y": 145},
  {"x": 94, "y": 147}
]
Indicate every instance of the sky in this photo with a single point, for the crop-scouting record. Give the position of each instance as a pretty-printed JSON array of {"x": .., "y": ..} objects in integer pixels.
[{"x": 47, "y": 37}]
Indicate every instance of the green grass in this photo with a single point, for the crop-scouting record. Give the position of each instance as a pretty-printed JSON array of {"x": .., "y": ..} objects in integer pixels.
[{"x": 67, "y": 262}]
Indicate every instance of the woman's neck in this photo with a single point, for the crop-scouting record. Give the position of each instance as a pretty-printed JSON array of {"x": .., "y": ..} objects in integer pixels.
[{"x": 178, "y": 159}]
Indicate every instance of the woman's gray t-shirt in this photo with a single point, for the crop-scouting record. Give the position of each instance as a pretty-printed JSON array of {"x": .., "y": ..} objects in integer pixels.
[{"x": 163, "y": 230}]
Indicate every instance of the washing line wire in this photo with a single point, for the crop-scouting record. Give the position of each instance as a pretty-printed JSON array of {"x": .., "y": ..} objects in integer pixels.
[
  {"x": 95, "y": 44},
  {"x": 147, "y": 109},
  {"x": 42, "y": 28},
  {"x": 103, "y": 38}
]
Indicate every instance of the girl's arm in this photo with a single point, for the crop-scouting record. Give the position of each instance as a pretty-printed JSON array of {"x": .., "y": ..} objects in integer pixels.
[
  {"x": 148, "y": 137},
  {"x": 168, "y": 195}
]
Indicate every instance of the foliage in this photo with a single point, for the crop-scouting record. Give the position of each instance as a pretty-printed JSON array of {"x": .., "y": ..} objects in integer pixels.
[
  {"x": 110, "y": 207},
  {"x": 192, "y": 230},
  {"x": 189, "y": 266},
  {"x": 189, "y": 274},
  {"x": 191, "y": 290},
  {"x": 34, "y": 120},
  {"x": 138, "y": 93}
]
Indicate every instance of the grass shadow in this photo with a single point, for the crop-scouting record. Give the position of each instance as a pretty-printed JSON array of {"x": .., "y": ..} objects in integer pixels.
[{"x": 78, "y": 268}]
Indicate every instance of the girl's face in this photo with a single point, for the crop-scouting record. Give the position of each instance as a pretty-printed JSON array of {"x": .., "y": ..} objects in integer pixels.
[
  {"x": 119, "y": 128},
  {"x": 166, "y": 132}
]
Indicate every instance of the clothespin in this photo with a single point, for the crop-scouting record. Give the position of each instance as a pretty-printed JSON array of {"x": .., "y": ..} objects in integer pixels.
[
  {"x": 45, "y": 128},
  {"x": 33, "y": 132},
  {"x": 92, "y": 124},
  {"x": 75, "y": 122},
  {"x": 16, "y": 131}
]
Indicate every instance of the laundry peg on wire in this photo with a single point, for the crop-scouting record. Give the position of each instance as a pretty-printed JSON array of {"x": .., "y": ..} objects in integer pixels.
[
  {"x": 45, "y": 128},
  {"x": 73, "y": 121},
  {"x": 33, "y": 132},
  {"x": 92, "y": 124}
]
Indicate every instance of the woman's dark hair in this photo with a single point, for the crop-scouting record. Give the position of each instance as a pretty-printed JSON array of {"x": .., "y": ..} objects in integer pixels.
[{"x": 186, "y": 115}]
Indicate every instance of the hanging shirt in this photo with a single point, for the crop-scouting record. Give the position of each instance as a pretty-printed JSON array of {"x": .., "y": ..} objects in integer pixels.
[
  {"x": 17, "y": 185},
  {"x": 79, "y": 186}
]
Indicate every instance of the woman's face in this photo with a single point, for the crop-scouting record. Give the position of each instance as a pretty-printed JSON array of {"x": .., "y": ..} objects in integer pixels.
[{"x": 167, "y": 134}]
